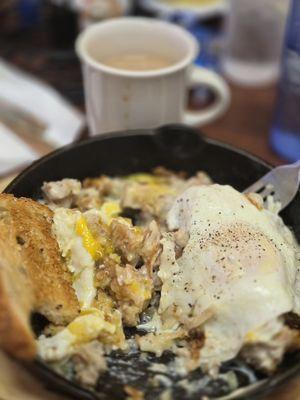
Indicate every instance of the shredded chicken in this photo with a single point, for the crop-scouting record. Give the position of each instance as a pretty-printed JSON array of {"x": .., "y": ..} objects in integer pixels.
[
  {"x": 87, "y": 199},
  {"x": 105, "y": 186},
  {"x": 180, "y": 241},
  {"x": 133, "y": 393},
  {"x": 61, "y": 193},
  {"x": 266, "y": 356},
  {"x": 129, "y": 278},
  {"x": 130, "y": 288},
  {"x": 127, "y": 239},
  {"x": 154, "y": 199},
  {"x": 151, "y": 247},
  {"x": 201, "y": 178},
  {"x": 133, "y": 290},
  {"x": 158, "y": 343},
  {"x": 256, "y": 200},
  {"x": 89, "y": 363},
  {"x": 156, "y": 196}
]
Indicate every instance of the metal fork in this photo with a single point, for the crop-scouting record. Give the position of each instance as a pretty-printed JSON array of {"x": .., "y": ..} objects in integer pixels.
[{"x": 282, "y": 183}]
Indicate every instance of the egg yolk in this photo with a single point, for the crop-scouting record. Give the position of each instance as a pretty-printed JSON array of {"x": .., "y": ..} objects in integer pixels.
[
  {"x": 110, "y": 210},
  {"x": 93, "y": 247}
]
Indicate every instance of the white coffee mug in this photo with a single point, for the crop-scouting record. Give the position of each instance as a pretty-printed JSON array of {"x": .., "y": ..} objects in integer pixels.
[{"x": 119, "y": 99}]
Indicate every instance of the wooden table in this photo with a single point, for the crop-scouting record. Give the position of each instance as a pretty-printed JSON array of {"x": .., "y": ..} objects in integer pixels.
[
  {"x": 247, "y": 122},
  {"x": 246, "y": 125}
]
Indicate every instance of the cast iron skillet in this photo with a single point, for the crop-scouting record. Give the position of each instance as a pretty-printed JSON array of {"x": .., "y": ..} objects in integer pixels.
[{"x": 178, "y": 148}]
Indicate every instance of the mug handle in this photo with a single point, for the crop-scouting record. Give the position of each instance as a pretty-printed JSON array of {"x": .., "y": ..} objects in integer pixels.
[{"x": 203, "y": 76}]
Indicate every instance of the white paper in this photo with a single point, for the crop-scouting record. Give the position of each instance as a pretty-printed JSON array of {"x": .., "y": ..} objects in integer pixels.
[
  {"x": 14, "y": 153},
  {"x": 63, "y": 121}
]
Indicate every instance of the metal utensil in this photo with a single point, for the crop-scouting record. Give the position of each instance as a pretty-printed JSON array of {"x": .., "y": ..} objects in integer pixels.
[{"x": 282, "y": 183}]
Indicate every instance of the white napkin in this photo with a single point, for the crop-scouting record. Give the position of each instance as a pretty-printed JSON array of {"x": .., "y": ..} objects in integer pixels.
[
  {"x": 60, "y": 121},
  {"x": 40, "y": 100},
  {"x": 14, "y": 152}
]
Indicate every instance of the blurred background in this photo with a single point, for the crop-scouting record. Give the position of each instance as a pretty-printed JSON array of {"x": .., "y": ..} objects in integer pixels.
[{"x": 254, "y": 45}]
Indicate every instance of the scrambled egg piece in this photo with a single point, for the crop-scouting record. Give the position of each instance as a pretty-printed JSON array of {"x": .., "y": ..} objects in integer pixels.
[
  {"x": 154, "y": 185},
  {"x": 99, "y": 247},
  {"x": 109, "y": 210},
  {"x": 145, "y": 178},
  {"x": 93, "y": 247},
  {"x": 84, "y": 240},
  {"x": 90, "y": 325},
  {"x": 74, "y": 241},
  {"x": 81, "y": 250},
  {"x": 147, "y": 195}
]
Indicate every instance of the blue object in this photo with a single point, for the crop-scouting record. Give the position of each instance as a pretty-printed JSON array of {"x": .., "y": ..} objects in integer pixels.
[
  {"x": 285, "y": 134},
  {"x": 208, "y": 33},
  {"x": 209, "y": 38},
  {"x": 29, "y": 12}
]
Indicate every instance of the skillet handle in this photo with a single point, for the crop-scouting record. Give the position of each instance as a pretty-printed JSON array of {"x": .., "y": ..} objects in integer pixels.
[{"x": 179, "y": 140}]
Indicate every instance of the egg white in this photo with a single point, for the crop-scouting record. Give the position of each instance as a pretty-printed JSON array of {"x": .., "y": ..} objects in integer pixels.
[
  {"x": 83, "y": 329},
  {"x": 78, "y": 259},
  {"x": 236, "y": 273}
]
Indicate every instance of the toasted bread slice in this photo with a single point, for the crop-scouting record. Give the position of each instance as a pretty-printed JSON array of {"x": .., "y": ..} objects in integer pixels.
[
  {"x": 16, "y": 297},
  {"x": 33, "y": 276}
]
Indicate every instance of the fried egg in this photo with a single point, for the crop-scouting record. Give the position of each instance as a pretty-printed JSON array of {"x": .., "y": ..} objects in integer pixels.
[{"x": 236, "y": 272}]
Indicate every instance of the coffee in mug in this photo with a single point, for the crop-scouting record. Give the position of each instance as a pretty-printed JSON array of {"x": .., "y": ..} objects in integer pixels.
[
  {"x": 137, "y": 72},
  {"x": 138, "y": 61}
]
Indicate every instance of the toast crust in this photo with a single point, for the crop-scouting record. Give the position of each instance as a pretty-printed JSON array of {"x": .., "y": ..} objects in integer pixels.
[
  {"x": 16, "y": 297},
  {"x": 33, "y": 276}
]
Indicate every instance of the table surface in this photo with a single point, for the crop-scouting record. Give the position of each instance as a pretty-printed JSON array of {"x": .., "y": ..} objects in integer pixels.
[{"x": 246, "y": 125}]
